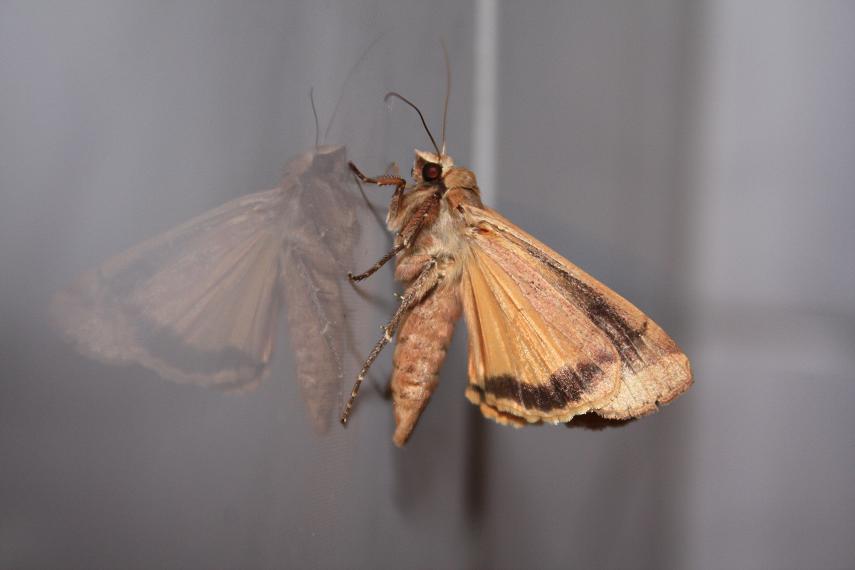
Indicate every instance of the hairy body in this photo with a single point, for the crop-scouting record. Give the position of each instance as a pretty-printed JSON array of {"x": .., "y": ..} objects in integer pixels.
[{"x": 427, "y": 328}]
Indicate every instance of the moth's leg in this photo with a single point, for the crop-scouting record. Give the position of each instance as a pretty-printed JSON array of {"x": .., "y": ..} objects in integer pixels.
[
  {"x": 380, "y": 263},
  {"x": 405, "y": 237},
  {"x": 397, "y": 196},
  {"x": 391, "y": 170},
  {"x": 428, "y": 209},
  {"x": 384, "y": 180},
  {"x": 424, "y": 283},
  {"x": 391, "y": 178}
]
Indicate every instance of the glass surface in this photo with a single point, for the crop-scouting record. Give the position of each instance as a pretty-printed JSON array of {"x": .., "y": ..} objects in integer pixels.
[{"x": 695, "y": 159}]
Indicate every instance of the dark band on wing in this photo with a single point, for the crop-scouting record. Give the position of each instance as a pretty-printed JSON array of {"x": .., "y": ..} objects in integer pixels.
[
  {"x": 603, "y": 315},
  {"x": 624, "y": 338},
  {"x": 564, "y": 386},
  {"x": 171, "y": 356},
  {"x": 166, "y": 346}
]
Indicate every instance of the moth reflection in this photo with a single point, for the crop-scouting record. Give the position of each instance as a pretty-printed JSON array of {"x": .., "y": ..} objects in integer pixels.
[{"x": 200, "y": 304}]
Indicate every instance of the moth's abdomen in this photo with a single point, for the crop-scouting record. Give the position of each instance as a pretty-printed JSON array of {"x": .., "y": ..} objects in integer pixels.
[{"x": 422, "y": 344}]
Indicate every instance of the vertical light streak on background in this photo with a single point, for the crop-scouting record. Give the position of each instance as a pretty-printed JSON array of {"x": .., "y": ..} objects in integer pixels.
[
  {"x": 484, "y": 114},
  {"x": 485, "y": 97}
]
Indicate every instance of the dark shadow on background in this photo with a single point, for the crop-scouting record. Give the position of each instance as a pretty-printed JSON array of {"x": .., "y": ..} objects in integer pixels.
[{"x": 476, "y": 450}]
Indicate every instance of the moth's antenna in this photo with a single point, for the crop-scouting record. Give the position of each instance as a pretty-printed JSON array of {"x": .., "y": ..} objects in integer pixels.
[
  {"x": 315, "y": 113},
  {"x": 447, "y": 90},
  {"x": 422, "y": 117},
  {"x": 346, "y": 79}
]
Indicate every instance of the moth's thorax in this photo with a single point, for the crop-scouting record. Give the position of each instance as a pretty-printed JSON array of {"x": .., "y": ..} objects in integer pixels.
[
  {"x": 442, "y": 234},
  {"x": 457, "y": 186}
]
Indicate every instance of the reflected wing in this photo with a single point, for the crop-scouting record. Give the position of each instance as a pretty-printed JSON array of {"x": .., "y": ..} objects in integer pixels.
[
  {"x": 197, "y": 304},
  {"x": 548, "y": 341}
]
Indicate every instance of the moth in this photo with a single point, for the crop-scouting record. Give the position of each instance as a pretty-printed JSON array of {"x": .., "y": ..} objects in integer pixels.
[
  {"x": 547, "y": 341},
  {"x": 200, "y": 304}
]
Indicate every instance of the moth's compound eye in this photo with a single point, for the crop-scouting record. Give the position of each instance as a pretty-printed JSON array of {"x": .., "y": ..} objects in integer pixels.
[{"x": 431, "y": 172}]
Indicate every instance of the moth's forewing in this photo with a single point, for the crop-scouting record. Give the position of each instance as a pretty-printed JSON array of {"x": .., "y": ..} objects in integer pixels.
[
  {"x": 201, "y": 302},
  {"x": 548, "y": 341},
  {"x": 533, "y": 354}
]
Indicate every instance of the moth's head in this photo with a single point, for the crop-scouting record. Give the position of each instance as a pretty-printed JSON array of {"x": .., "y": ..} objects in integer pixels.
[
  {"x": 431, "y": 169},
  {"x": 436, "y": 169}
]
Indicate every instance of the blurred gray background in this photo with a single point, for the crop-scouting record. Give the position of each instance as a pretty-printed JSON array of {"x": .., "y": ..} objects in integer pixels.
[{"x": 697, "y": 157}]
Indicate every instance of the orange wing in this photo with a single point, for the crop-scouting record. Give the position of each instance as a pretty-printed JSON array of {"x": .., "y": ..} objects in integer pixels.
[{"x": 547, "y": 341}]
